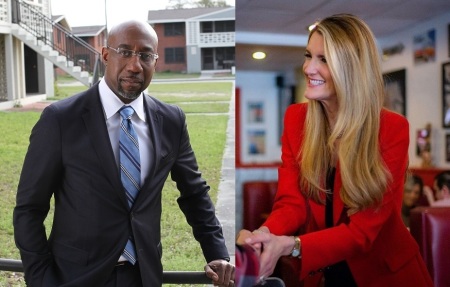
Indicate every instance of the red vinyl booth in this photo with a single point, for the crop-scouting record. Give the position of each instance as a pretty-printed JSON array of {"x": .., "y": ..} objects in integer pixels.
[
  {"x": 258, "y": 200},
  {"x": 430, "y": 226}
]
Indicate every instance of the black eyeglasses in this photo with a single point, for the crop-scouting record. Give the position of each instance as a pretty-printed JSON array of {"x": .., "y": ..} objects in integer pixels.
[{"x": 126, "y": 54}]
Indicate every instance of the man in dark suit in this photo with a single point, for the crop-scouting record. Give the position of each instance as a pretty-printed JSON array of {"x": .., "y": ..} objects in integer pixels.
[{"x": 74, "y": 155}]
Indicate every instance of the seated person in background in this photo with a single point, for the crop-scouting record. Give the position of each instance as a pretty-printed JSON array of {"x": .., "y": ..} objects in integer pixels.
[
  {"x": 413, "y": 191},
  {"x": 442, "y": 188}
]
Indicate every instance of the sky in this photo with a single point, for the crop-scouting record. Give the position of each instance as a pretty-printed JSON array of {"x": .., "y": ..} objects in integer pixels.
[{"x": 92, "y": 12}]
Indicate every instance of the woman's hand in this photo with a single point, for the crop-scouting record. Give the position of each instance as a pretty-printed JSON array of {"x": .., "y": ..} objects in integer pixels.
[
  {"x": 273, "y": 247},
  {"x": 244, "y": 234}
]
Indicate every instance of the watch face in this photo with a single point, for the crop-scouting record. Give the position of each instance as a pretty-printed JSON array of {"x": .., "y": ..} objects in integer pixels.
[{"x": 295, "y": 253}]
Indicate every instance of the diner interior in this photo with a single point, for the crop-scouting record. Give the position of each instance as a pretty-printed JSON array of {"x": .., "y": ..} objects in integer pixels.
[{"x": 413, "y": 38}]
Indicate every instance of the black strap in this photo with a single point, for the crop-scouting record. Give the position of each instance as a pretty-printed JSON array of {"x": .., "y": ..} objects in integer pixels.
[
  {"x": 338, "y": 274},
  {"x": 329, "y": 200}
]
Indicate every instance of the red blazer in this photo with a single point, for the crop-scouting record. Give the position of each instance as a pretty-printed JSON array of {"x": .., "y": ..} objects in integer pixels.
[{"x": 376, "y": 244}]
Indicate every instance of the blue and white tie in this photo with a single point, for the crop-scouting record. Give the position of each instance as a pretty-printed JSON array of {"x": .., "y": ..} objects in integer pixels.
[{"x": 130, "y": 168}]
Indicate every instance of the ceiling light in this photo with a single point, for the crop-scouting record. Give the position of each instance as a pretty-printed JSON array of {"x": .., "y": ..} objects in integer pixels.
[
  {"x": 259, "y": 55},
  {"x": 312, "y": 26}
]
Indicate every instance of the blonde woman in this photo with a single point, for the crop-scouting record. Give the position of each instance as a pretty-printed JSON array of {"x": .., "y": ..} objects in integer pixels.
[{"x": 344, "y": 159}]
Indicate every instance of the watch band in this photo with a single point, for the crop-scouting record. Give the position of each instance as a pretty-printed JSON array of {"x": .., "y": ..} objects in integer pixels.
[{"x": 296, "y": 251}]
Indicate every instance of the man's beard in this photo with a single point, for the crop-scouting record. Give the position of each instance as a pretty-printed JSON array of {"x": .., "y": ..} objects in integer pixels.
[{"x": 130, "y": 95}]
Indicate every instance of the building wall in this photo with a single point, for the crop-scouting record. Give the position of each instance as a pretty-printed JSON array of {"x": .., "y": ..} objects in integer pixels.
[
  {"x": 424, "y": 102},
  {"x": 12, "y": 62},
  {"x": 193, "y": 59},
  {"x": 3, "y": 73},
  {"x": 97, "y": 42},
  {"x": 255, "y": 87},
  {"x": 169, "y": 42}
]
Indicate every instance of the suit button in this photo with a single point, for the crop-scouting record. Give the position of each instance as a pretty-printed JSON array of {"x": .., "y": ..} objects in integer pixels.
[{"x": 132, "y": 215}]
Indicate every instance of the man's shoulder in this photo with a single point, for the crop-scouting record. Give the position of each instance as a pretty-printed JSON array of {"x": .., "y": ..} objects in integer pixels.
[
  {"x": 78, "y": 99},
  {"x": 156, "y": 105}
]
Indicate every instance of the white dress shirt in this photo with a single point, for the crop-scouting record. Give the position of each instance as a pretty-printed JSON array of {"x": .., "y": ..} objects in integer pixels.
[{"x": 111, "y": 106}]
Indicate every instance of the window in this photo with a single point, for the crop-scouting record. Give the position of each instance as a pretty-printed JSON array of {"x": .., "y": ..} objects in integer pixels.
[
  {"x": 206, "y": 27},
  {"x": 173, "y": 29},
  {"x": 174, "y": 55},
  {"x": 226, "y": 53},
  {"x": 224, "y": 26},
  {"x": 218, "y": 26}
]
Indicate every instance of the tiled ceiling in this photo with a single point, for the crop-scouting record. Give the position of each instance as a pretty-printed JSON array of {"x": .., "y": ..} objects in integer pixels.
[{"x": 291, "y": 17}]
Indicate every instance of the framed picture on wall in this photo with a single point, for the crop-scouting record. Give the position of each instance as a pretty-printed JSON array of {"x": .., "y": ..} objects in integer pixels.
[
  {"x": 446, "y": 95},
  {"x": 255, "y": 112},
  {"x": 423, "y": 141},
  {"x": 286, "y": 98},
  {"x": 395, "y": 83},
  {"x": 425, "y": 47},
  {"x": 448, "y": 38},
  {"x": 256, "y": 142}
]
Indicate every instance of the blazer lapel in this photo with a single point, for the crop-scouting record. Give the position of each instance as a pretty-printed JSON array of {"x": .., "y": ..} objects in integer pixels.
[{"x": 95, "y": 123}]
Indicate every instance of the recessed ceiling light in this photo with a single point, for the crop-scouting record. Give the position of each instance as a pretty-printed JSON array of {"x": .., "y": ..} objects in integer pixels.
[
  {"x": 259, "y": 55},
  {"x": 312, "y": 26}
]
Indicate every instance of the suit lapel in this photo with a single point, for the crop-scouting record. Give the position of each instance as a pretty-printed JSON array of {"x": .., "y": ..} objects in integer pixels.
[
  {"x": 155, "y": 122},
  {"x": 95, "y": 123}
]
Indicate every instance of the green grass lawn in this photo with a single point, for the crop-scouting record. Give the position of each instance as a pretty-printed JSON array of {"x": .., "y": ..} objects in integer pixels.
[
  {"x": 180, "y": 250},
  {"x": 173, "y": 75}
]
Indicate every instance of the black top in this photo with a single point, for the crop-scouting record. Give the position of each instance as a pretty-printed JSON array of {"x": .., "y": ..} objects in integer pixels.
[{"x": 339, "y": 274}]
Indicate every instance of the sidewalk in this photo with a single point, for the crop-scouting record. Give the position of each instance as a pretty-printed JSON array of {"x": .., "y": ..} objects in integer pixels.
[
  {"x": 36, "y": 107},
  {"x": 225, "y": 206}
]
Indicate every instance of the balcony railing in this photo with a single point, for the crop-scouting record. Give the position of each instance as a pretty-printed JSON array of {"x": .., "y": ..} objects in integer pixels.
[
  {"x": 216, "y": 39},
  {"x": 169, "y": 277}
]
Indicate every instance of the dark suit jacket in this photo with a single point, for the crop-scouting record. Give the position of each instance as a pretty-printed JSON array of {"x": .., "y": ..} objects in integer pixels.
[{"x": 70, "y": 157}]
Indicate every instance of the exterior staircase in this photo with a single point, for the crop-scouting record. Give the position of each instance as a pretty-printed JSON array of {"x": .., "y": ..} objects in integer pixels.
[
  {"x": 52, "y": 55},
  {"x": 38, "y": 31}
]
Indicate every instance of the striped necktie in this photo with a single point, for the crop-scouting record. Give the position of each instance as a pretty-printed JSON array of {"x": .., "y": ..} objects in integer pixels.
[{"x": 130, "y": 168}]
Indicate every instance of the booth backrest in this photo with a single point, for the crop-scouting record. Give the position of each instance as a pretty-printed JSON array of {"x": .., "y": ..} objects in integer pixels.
[
  {"x": 258, "y": 201},
  {"x": 426, "y": 174},
  {"x": 430, "y": 226}
]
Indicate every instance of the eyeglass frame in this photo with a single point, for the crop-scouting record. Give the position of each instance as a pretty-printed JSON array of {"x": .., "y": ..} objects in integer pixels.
[{"x": 152, "y": 56}]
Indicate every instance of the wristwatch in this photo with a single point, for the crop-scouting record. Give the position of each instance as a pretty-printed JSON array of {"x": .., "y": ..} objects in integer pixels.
[{"x": 296, "y": 250}]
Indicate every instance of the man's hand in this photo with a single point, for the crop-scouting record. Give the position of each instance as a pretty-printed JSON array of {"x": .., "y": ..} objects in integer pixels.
[{"x": 220, "y": 272}]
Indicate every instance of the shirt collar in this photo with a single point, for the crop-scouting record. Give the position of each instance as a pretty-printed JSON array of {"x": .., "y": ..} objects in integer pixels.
[{"x": 112, "y": 104}]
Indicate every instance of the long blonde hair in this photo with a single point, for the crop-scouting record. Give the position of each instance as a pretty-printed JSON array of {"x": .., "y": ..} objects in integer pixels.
[{"x": 353, "y": 60}]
